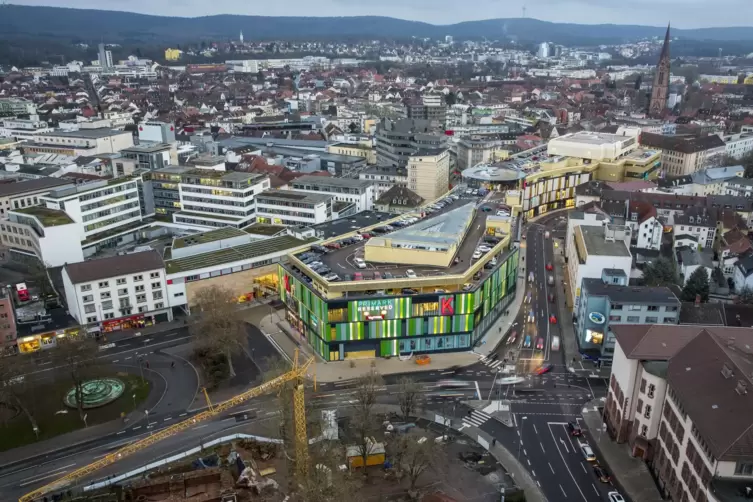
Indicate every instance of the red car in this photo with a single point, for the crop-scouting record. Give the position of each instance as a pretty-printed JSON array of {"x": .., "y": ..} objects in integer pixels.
[
  {"x": 358, "y": 276},
  {"x": 549, "y": 266},
  {"x": 546, "y": 368},
  {"x": 553, "y": 319},
  {"x": 366, "y": 236},
  {"x": 540, "y": 344}
]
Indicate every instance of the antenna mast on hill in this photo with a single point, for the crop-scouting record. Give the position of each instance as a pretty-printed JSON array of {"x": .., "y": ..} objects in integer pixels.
[{"x": 524, "y": 12}]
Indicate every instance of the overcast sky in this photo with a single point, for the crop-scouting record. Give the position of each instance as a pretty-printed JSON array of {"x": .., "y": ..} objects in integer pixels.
[{"x": 681, "y": 13}]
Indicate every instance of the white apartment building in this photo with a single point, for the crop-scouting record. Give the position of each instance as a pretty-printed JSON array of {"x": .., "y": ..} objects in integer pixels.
[
  {"x": 593, "y": 145},
  {"x": 24, "y": 129},
  {"x": 697, "y": 222},
  {"x": 384, "y": 178},
  {"x": 86, "y": 142},
  {"x": 293, "y": 207},
  {"x": 679, "y": 396},
  {"x": 594, "y": 249},
  {"x": 360, "y": 193},
  {"x": 429, "y": 173},
  {"x": 120, "y": 292},
  {"x": 738, "y": 145}
]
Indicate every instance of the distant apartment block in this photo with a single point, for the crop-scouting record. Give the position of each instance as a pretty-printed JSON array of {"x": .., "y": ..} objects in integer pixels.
[
  {"x": 293, "y": 207},
  {"x": 429, "y": 173},
  {"x": 86, "y": 142},
  {"x": 360, "y": 193}
]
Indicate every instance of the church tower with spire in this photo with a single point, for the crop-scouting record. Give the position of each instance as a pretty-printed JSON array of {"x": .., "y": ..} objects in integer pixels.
[{"x": 660, "y": 89}]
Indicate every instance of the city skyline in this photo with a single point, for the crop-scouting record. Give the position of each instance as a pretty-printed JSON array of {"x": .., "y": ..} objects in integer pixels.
[{"x": 693, "y": 14}]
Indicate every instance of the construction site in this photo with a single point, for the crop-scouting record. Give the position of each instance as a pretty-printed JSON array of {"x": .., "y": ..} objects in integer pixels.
[{"x": 299, "y": 454}]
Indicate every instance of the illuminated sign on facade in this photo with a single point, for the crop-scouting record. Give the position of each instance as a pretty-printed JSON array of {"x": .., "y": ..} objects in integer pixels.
[
  {"x": 596, "y": 318},
  {"x": 446, "y": 305},
  {"x": 594, "y": 337}
]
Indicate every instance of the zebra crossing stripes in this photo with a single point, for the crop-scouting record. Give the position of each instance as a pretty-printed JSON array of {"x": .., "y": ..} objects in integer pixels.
[
  {"x": 476, "y": 418},
  {"x": 491, "y": 363}
]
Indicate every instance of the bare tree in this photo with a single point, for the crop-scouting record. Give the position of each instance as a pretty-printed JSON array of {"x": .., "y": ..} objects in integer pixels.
[
  {"x": 217, "y": 324},
  {"x": 15, "y": 387},
  {"x": 77, "y": 357},
  {"x": 409, "y": 395},
  {"x": 325, "y": 481},
  {"x": 364, "y": 422},
  {"x": 415, "y": 454}
]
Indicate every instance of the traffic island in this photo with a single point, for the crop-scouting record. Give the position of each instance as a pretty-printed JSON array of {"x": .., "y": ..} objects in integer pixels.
[{"x": 51, "y": 406}]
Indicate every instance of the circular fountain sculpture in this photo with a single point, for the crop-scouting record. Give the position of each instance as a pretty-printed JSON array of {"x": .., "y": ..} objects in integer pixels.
[{"x": 96, "y": 393}]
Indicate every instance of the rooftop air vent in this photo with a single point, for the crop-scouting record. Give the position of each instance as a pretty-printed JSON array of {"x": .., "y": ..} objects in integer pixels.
[{"x": 726, "y": 371}]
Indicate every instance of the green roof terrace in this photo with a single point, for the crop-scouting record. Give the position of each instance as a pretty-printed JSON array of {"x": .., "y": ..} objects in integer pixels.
[
  {"x": 210, "y": 236},
  {"x": 262, "y": 229},
  {"x": 47, "y": 216}
]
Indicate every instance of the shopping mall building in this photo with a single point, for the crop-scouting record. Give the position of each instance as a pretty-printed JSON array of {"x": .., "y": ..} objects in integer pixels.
[{"x": 383, "y": 311}]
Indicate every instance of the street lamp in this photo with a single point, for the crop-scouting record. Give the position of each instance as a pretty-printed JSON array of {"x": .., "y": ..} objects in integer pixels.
[
  {"x": 134, "y": 401},
  {"x": 520, "y": 443}
]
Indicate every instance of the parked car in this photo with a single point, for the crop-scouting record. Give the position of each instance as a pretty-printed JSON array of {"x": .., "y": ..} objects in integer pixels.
[
  {"x": 410, "y": 274},
  {"x": 467, "y": 287},
  {"x": 574, "y": 429},
  {"x": 366, "y": 236},
  {"x": 483, "y": 248},
  {"x": 602, "y": 474},
  {"x": 360, "y": 263},
  {"x": 319, "y": 249},
  {"x": 615, "y": 497},
  {"x": 388, "y": 275},
  {"x": 409, "y": 291},
  {"x": 377, "y": 275},
  {"x": 314, "y": 264},
  {"x": 333, "y": 245},
  {"x": 587, "y": 452},
  {"x": 332, "y": 277},
  {"x": 476, "y": 255},
  {"x": 347, "y": 277},
  {"x": 358, "y": 276}
]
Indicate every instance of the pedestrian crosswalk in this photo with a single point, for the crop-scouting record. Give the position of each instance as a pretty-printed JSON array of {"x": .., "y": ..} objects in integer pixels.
[
  {"x": 476, "y": 418},
  {"x": 491, "y": 362}
]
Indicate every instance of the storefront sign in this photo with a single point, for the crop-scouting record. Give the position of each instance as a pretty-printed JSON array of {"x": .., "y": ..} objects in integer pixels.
[
  {"x": 376, "y": 309},
  {"x": 596, "y": 318},
  {"x": 446, "y": 305}
]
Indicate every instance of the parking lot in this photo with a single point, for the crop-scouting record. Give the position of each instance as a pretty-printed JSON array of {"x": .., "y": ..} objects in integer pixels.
[{"x": 345, "y": 261}]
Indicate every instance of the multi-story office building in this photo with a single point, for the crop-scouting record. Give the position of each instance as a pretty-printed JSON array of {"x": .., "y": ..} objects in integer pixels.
[
  {"x": 86, "y": 142},
  {"x": 429, "y": 173},
  {"x": 37, "y": 234},
  {"x": 120, "y": 292},
  {"x": 151, "y": 156},
  {"x": 103, "y": 209},
  {"x": 17, "y": 106},
  {"x": 204, "y": 197},
  {"x": 385, "y": 177},
  {"x": 609, "y": 301},
  {"x": 679, "y": 396},
  {"x": 738, "y": 145},
  {"x": 431, "y": 108},
  {"x": 397, "y": 140},
  {"x": 360, "y": 193},
  {"x": 25, "y": 193},
  {"x": 24, "y": 129},
  {"x": 483, "y": 150},
  {"x": 681, "y": 156},
  {"x": 293, "y": 207}
]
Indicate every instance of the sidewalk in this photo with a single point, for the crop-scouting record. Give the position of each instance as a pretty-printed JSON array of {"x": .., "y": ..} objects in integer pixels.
[
  {"x": 569, "y": 342},
  {"x": 631, "y": 475},
  {"x": 511, "y": 464}
]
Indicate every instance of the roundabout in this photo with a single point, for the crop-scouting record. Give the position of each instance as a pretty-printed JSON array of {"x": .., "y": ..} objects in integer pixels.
[{"x": 96, "y": 393}]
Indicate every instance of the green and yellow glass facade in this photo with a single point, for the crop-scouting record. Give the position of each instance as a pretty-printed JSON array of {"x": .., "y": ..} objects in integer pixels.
[{"x": 392, "y": 325}]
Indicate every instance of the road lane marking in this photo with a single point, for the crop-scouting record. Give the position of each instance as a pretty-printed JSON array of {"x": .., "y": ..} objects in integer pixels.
[
  {"x": 200, "y": 426},
  {"x": 136, "y": 428},
  {"x": 550, "y": 467},
  {"x": 542, "y": 446},
  {"x": 563, "y": 492},
  {"x": 565, "y": 463},
  {"x": 478, "y": 391},
  {"x": 584, "y": 468},
  {"x": 50, "y": 474},
  {"x": 594, "y": 487}
]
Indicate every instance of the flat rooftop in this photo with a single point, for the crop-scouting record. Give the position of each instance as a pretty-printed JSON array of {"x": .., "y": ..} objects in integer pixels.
[
  {"x": 592, "y": 138},
  {"x": 237, "y": 253},
  {"x": 506, "y": 171},
  {"x": 352, "y": 223},
  {"x": 328, "y": 181},
  {"x": 85, "y": 133},
  {"x": 264, "y": 229},
  {"x": 341, "y": 260},
  {"x": 147, "y": 148},
  {"x": 205, "y": 237},
  {"x": 294, "y": 196},
  {"x": 48, "y": 217},
  {"x": 209, "y": 216},
  {"x": 593, "y": 238},
  {"x": 630, "y": 294}
]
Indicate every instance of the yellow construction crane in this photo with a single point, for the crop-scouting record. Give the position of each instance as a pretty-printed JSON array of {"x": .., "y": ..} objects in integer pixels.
[{"x": 296, "y": 374}]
